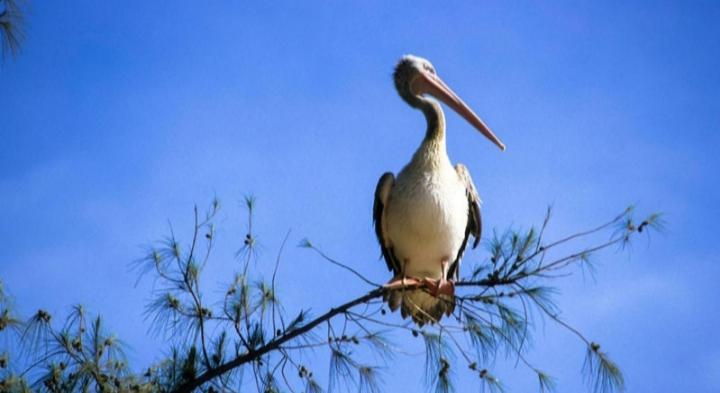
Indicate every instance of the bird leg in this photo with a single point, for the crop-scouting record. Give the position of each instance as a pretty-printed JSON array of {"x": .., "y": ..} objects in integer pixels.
[
  {"x": 401, "y": 281},
  {"x": 442, "y": 286}
]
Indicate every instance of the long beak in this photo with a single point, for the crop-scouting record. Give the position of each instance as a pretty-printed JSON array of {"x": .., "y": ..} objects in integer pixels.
[{"x": 431, "y": 84}]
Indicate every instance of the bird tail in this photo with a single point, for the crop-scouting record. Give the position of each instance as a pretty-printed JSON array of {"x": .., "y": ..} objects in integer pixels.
[{"x": 420, "y": 305}]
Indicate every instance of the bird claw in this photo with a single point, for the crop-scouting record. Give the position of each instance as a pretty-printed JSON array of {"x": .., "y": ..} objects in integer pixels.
[{"x": 441, "y": 287}]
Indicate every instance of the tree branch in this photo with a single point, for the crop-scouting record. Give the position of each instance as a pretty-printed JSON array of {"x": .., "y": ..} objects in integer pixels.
[
  {"x": 489, "y": 317},
  {"x": 277, "y": 342}
]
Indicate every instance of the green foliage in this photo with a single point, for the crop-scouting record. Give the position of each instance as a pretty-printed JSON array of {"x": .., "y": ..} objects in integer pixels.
[
  {"x": 546, "y": 382},
  {"x": 71, "y": 357},
  {"x": 602, "y": 374},
  {"x": 11, "y": 26},
  {"x": 341, "y": 369},
  {"x": 215, "y": 343}
]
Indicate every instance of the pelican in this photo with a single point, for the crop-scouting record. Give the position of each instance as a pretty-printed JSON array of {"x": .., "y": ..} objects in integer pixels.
[{"x": 424, "y": 217}]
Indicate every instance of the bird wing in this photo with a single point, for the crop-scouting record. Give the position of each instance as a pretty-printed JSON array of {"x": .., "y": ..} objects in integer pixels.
[
  {"x": 382, "y": 193},
  {"x": 474, "y": 222}
]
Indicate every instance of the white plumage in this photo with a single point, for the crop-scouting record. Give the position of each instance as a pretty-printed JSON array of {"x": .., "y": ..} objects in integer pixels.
[{"x": 426, "y": 216}]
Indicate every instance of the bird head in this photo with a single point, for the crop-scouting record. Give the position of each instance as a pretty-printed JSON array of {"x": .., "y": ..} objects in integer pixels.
[{"x": 416, "y": 77}]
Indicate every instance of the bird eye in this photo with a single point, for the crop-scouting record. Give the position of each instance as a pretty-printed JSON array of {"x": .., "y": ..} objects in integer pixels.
[{"x": 428, "y": 68}]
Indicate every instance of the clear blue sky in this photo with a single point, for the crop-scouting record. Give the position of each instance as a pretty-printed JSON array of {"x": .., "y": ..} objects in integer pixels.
[{"x": 118, "y": 116}]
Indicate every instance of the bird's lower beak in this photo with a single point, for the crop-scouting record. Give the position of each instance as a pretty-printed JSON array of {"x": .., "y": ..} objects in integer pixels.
[{"x": 429, "y": 83}]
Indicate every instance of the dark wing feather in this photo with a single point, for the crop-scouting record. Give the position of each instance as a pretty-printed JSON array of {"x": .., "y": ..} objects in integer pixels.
[
  {"x": 474, "y": 224},
  {"x": 382, "y": 192}
]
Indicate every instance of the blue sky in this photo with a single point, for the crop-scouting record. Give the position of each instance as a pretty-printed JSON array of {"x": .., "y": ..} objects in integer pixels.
[{"x": 117, "y": 117}]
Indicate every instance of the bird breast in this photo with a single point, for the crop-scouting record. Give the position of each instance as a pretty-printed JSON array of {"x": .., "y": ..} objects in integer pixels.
[{"x": 426, "y": 218}]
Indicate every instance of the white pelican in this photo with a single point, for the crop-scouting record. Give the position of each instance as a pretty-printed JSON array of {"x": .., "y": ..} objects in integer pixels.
[{"x": 424, "y": 216}]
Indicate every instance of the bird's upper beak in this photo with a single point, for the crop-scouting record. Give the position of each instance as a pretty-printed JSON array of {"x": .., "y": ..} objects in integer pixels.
[{"x": 430, "y": 83}]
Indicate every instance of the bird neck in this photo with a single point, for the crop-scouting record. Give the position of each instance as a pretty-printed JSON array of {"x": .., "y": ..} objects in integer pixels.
[
  {"x": 435, "y": 119},
  {"x": 433, "y": 146}
]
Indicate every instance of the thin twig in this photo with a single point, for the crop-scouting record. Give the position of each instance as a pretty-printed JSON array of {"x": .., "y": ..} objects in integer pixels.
[{"x": 344, "y": 266}]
